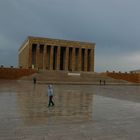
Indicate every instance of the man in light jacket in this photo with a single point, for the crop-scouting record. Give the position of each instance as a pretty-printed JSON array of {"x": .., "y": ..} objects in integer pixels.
[{"x": 50, "y": 95}]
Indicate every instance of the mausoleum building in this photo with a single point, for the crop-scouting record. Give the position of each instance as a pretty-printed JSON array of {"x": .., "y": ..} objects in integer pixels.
[{"x": 56, "y": 54}]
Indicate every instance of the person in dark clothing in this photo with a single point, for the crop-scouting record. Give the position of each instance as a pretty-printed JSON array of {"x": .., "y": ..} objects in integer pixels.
[
  {"x": 34, "y": 80},
  {"x": 100, "y": 82}
]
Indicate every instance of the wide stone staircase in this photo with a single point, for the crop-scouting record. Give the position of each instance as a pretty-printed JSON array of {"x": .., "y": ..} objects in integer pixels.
[{"x": 66, "y": 77}]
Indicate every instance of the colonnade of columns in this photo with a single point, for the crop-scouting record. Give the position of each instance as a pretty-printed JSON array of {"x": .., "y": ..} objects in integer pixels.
[{"x": 49, "y": 57}]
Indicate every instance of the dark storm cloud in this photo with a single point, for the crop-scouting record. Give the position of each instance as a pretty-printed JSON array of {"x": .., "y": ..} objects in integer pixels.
[{"x": 112, "y": 25}]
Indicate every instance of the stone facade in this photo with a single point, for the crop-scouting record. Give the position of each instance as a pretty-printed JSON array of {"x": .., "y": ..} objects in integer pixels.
[{"x": 54, "y": 54}]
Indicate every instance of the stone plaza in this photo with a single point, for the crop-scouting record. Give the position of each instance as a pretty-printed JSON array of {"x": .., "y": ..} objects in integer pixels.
[{"x": 81, "y": 112}]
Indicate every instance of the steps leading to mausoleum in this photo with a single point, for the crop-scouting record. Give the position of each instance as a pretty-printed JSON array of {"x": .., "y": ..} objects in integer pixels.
[{"x": 72, "y": 77}]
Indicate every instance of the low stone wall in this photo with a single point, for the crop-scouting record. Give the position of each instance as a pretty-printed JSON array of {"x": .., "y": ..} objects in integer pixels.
[
  {"x": 131, "y": 77},
  {"x": 15, "y": 73}
]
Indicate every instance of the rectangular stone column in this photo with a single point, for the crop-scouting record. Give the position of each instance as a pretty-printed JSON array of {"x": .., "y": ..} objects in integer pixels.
[
  {"x": 55, "y": 58},
  {"x": 45, "y": 57},
  {"x": 79, "y": 59},
  {"x": 85, "y": 59},
  {"x": 58, "y": 58},
  {"x": 51, "y": 57},
  {"x": 66, "y": 58},
  {"x": 30, "y": 56},
  {"x": 37, "y": 56},
  {"x": 92, "y": 60},
  {"x": 41, "y": 56},
  {"x": 48, "y": 57},
  {"x": 73, "y": 59}
]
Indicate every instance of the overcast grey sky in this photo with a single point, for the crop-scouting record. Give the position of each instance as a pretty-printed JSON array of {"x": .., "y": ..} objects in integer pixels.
[{"x": 114, "y": 25}]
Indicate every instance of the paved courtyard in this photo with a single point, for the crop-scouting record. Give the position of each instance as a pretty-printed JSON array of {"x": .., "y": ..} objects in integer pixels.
[{"x": 81, "y": 112}]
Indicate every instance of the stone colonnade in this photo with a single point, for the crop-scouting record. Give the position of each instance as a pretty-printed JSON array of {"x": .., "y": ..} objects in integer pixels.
[{"x": 52, "y": 57}]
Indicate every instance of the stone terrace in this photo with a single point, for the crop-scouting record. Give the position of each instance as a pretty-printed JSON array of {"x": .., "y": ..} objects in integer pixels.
[{"x": 65, "y": 77}]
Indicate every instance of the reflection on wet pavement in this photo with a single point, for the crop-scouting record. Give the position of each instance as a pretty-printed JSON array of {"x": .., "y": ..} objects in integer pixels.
[
  {"x": 69, "y": 105},
  {"x": 80, "y": 112}
]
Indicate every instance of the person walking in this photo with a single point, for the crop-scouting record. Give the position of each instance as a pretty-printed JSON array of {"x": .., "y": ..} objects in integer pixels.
[
  {"x": 50, "y": 95},
  {"x": 100, "y": 82},
  {"x": 34, "y": 80}
]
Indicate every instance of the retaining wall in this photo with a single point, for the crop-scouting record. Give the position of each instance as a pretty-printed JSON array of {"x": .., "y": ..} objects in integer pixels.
[
  {"x": 15, "y": 73},
  {"x": 131, "y": 77}
]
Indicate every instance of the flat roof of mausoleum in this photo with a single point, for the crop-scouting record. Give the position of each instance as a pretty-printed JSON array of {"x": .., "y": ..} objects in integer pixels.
[{"x": 58, "y": 42}]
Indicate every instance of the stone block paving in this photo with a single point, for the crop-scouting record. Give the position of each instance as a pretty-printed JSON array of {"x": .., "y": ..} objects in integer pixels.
[{"x": 81, "y": 112}]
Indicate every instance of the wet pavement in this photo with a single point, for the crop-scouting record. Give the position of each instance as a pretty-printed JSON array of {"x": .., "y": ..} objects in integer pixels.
[{"x": 81, "y": 112}]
